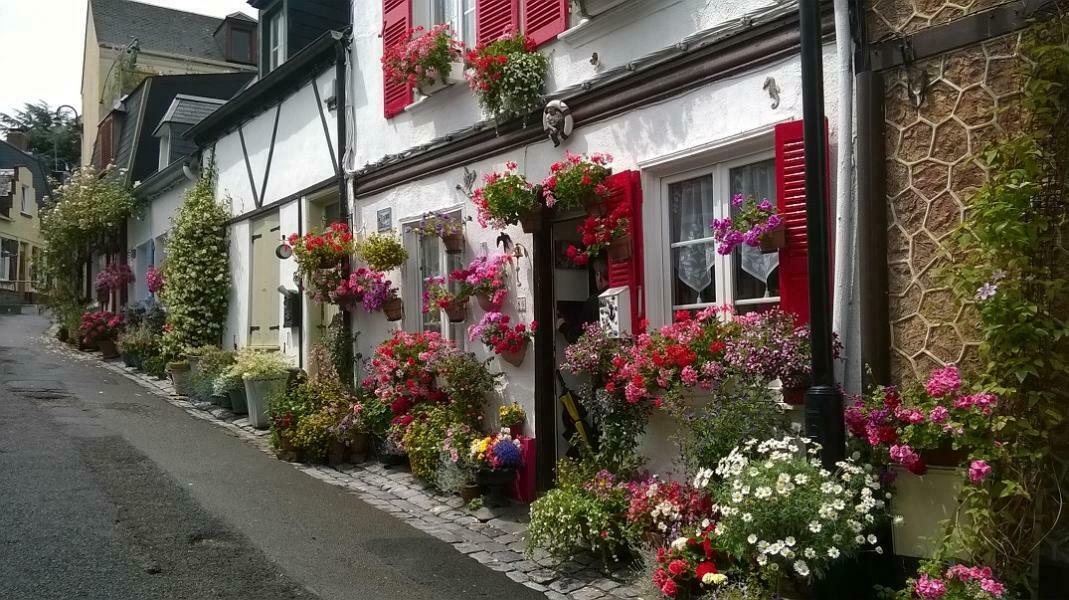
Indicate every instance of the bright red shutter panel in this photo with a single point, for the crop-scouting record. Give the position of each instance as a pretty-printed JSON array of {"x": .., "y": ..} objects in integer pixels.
[
  {"x": 790, "y": 203},
  {"x": 396, "y": 21},
  {"x": 495, "y": 18},
  {"x": 627, "y": 187},
  {"x": 544, "y": 19}
]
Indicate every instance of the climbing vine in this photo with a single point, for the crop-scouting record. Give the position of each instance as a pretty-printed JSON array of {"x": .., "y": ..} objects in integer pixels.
[
  {"x": 197, "y": 271},
  {"x": 1012, "y": 267}
]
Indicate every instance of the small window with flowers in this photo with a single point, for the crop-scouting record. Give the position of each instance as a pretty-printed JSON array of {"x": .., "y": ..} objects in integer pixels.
[
  {"x": 428, "y": 259},
  {"x": 708, "y": 265}
]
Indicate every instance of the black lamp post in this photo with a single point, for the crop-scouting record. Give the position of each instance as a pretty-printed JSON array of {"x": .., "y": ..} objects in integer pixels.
[
  {"x": 55, "y": 137},
  {"x": 823, "y": 401}
]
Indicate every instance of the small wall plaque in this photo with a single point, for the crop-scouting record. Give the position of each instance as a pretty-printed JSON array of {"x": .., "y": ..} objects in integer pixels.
[{"x": 385, "y": 219}]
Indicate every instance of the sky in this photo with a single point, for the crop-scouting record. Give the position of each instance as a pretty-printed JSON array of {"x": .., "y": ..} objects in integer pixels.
[{"x": 41, "y": 45}]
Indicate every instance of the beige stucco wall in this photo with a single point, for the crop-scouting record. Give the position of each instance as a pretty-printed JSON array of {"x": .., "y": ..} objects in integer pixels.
[{"x": 24, "y": 227}]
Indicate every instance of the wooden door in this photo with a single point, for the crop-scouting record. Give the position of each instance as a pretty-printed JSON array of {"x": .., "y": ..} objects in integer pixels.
[{"x": 264, "y": 298}]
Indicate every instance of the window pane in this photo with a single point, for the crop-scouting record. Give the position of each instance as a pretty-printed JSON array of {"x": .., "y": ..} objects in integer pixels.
[
  {"x": 468, "y": 30},
  {"x": 429, "y": 266},
  {"x": 241, "y": 44},
  {"x": 756, "y": 275},
  {"x": 690, "y": 205},
  {"x": 443, "y": 12}
]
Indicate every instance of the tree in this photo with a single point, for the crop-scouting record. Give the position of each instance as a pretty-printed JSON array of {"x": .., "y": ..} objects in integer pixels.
[{"x": 44, "y": 129}]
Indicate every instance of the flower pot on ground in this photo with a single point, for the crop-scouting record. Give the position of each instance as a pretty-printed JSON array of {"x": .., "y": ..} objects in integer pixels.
[
  {"x": 394, "y": 309},
  {"x": 108, "y": 349},
  {"x": 129, "y": 359},
  {"x": 469, "y": 492},
  {"x": 181, "y": 377},
  {"x": 359, "y": 448},
  {"x": 63, "y": 334},
  {"x": 286, "y": 450},
  {"x": 337, "y": 453},
  {"x": 774, "y": 239},
  {"x": 258, "y": 390},
  {"x": 238, "y": 404},
  {"x": 497, "y": 458},
  {"x": 495, "y": 483},
  {"x": 221, "y": 400}
]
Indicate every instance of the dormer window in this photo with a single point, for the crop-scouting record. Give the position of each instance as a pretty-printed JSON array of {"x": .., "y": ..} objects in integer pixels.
[
  {"x": 236, "y": 37},
  {"x": 276, "y": 40},
  {"x": 165, "y": 148}
]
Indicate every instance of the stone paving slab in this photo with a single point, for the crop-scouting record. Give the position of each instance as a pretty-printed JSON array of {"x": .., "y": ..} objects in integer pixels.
[{"x": 491, "y": 536}]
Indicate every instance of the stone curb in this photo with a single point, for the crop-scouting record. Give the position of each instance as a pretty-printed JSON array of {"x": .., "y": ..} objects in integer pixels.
[{"x": 493, "y": 537}]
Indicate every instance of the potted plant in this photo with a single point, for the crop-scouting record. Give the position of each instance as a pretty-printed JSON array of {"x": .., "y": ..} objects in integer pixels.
[
  {"x": 154, "y": 280},
  {"x": 137, "y": 344},
  {"x": 507, "y": 76},
  {"x": 612, "y": 231},
  {"x": 353, "y": 431},
  {"x": 487, "y": 278},
  {"x": 428, "y": 60},
  {"x": 510, "y": 342},
  {"x": 438, "y": 295},
  {"x": 512, "y": 417},
  {"x": 321, "y": 259},
  {"x": 99, "y": 329},
  {"x": 211, "y": 364},
  {"x": 373, "y": 291},
  {"x": 264, "y": 375},
  {"x": 578, "y": 181},
  {"x": 755, "y": 224},
  {"x": 448, "y": 227},
  {"x": 507, "y": 198},
  {"x": 382, "y": 252},
  {"x": 230, "y": 384},
  {"x": 497, "y": 457},
  {"x": 181, "y": 377},
  {"x": 456, "y": 472},
  {"x": 113, "y": 278}
]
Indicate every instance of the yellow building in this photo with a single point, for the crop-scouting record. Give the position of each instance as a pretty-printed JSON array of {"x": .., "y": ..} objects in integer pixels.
[
  {"x": 23, "y": 187},
  {"x": 127, "y": 41}
]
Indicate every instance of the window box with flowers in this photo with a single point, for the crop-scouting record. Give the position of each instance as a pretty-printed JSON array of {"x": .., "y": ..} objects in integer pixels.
[
  {"x": 448, "y": 227},
  {"x": 508, "y": 341},
  {"x": 507, "y": 198},
  {"x": 321, "y": 259},
  {"x": 578, "y": 181},
  {"x": 508, "y": 76},
  {"x": 428, "y": 60}
]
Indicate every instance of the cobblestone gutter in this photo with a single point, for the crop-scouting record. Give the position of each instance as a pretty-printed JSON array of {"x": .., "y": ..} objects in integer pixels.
[{"x": 494, "y": 537}]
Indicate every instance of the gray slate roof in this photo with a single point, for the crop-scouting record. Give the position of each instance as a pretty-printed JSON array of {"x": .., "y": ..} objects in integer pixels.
[
  {"x": 189, "y": 110},
  {"x": 11, "y": 157},
  {"x": 157, "y": 28}
]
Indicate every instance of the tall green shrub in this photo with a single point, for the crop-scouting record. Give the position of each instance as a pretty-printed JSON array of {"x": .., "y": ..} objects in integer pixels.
[{"x": 197, "y": 271}]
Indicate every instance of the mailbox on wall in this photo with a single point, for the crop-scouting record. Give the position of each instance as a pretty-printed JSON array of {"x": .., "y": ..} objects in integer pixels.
[
  {"x": 614, "y": 311},
  {"x": 291, "y": 307}
]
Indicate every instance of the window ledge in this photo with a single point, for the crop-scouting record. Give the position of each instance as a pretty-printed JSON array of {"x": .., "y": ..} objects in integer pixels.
[
  {"x": 4, "y": 217},
  {"x": 623, "y": 13},
  {"x": 424, "y": 100}
]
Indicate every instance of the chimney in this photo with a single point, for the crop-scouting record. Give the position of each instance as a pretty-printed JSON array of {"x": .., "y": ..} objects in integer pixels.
[{"x": 18, "y": 139}]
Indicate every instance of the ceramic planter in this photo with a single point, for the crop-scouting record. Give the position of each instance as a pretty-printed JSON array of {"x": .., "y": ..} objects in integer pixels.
[
  {"x": 394, "y": 309},
  {"x": 470, "y": 492},
  {"x": 108, "y": 349},
  {"x": 454, "y": 243},
  {"x": 238, "y": 405},
  {"x": 515, "y": 358},
  {"x": 773, "y": 240},
  {"x": 620, "y": 248},
  {"x": 181, "y": 378},
  {"x": 485, "y": 302},
  {"x": 457, "y": 310},
  {"x": 456, "y": 75},
  {"x": 258, "y": 391}
]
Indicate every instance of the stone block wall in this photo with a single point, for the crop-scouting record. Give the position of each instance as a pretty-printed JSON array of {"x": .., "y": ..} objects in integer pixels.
[
  {"x": 934, "y": 136},
  {"x": 892, "y": 18}
]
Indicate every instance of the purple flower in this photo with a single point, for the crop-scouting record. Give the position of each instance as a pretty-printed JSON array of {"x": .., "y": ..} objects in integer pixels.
[
  {"x": 978, "y": 471},
  {"x": 986, "y": 291},
  {"x": 939, "y": 414}
]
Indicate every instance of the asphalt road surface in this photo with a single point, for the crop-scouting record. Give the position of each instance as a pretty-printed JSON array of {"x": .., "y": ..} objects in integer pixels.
[{"x": 107, "y": 492}]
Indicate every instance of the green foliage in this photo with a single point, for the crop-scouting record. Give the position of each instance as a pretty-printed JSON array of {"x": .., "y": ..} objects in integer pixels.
[
  {"x": 83, "y": 215},
  {"x": 508, "y": 76},
  {"x": 51, "y": 135},
  {"x": 466, "y": 381},
  {"x": 212, "y": 362},
  {"x": 197, "y": 271},
  {"x": 154, "y": 365},
  {"x": 139, "y": 342},
  {"x": 250, "y": 363},
  {"x": 339, "y": 347},
  {"x": 382, "y": 252},
  {"x": 423, "y": 440},
  {"x": 306, "y": 413}
]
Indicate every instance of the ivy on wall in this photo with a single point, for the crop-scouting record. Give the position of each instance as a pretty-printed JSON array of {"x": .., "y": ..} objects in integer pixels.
[{"x": 197, "y": 271}]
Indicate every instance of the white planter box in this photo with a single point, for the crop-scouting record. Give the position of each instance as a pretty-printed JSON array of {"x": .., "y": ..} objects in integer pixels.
[
  {"x": 924, "y": 502},
  {"x": 257, "y": 393},
  {"x": 456, "y": 75}
]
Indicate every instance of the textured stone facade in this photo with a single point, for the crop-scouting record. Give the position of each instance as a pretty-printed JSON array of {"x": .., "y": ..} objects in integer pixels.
[
  {"x": 892, "y": 18},
  {"x": 934, "y": 135}
]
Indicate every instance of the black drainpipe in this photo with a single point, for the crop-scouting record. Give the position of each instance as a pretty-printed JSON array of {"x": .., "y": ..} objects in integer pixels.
[{"x": 341, "y": 49}]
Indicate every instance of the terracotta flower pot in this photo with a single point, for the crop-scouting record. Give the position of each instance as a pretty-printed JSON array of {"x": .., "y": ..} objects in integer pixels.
[
  {"x": 457, "y": 310},
  {"x": 620, "y": 248},
  {"x": 486, "y": 302},
  {"x": 773, "y": 240},
  {"x": 394, "y": 309},
  {"x": 470, "y": 492},
  {"x": 454, "y": 243},
  {"x": 515, "y": 358},
  {"x": 108, "y": 349}
]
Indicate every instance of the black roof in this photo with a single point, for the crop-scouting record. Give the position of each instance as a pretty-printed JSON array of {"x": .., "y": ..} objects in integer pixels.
[
  {"x": 157, "y": 28},
  {"x": 11, "y": 157}
]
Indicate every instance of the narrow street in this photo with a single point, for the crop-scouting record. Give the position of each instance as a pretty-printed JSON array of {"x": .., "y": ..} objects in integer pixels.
[{"x": 110, "y": 492}]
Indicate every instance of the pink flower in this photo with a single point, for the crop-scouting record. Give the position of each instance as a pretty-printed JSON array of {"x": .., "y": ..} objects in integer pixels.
[
  {"x": 689, "y": 375},
  {"x": 943, "y": 382},
  {"x": 939, "y": 414},
  {"x": 929, "y": 588},
  {"x": 993, "y": 587},
  {"x": 978, "y": 471}
]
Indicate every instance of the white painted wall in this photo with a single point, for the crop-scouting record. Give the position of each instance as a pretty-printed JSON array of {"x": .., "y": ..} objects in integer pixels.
[
  {"x": 300, "y": 160},
  {"x": 658, "y": 140},
  {"x": 145, "y": 231}
]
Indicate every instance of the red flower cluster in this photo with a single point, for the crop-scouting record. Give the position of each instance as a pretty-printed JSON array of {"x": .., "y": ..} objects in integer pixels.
[
  {"x": 99, "y": 325},
  {"x": 486, "y": 61},
  {"x": 666, "y": 507},
  {"x": 494, "y": 331},
  {"x": 320, "y": 258},
  {"x": 598, "y": 232},
  {"x": 687, "y": 568},
  {"x": 577, "y": 179},
  {"x": 403, "y": 371},
  {"x": 421, "y": 56}
]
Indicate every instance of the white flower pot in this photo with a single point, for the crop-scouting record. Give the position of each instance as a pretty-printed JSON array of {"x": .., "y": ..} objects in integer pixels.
[
  {"x": 258, "y": 392},
  {"x": 456, "y": 75}
]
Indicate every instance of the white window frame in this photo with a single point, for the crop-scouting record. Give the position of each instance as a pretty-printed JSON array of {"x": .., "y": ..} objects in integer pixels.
[
  {"x": 26, "y": 200},
  {"x": 723, "y": 267},
  {"x": 165, "y": 149},
  {"x": 424, "y": 13},
  {"x": 412, "y": 278},
  {"x": 9, "y": 264},
  {"x": 276, "y": 39}
]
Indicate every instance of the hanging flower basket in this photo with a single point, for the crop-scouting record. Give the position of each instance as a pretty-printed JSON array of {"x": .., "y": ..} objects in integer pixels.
[
  {"x": 594, "y": 205},
  {"x": 578, "y": 181},
  {"x": 394, "y": 309},
  {"x": 454, "y": 243},
  {"x": 620, "y": 248},
  {"x": 485, "y": 302},
  {"x": 774, "y": 240},
  {"x": 515, "y": 357},
  {"x": 531, "y": 222},
  {"x": 457, "y": 310}
]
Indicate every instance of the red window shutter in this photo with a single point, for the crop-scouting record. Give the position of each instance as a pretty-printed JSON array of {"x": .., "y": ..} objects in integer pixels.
[
  {"x": 544, "y": 19},
  {"x": 790, "y": 203},
  {"x": 627, "y": 187},
  {"x": 396, "y": 21},
  {"x": 495, "y": 18}
]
